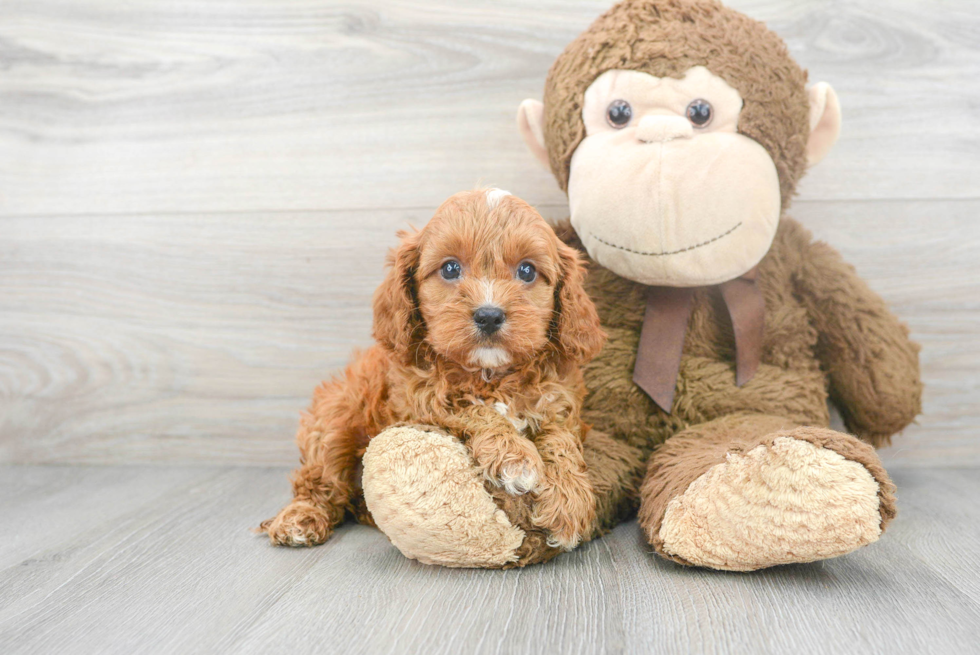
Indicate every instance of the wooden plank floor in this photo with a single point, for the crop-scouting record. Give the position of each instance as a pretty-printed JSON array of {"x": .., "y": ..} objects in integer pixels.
[{"x": 160, "y": 559}]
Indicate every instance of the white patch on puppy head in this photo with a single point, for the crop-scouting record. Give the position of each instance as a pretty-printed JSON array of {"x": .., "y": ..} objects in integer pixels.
[
  {"x": 494, "y": 196},
  {"x": 489, "y": 357}
]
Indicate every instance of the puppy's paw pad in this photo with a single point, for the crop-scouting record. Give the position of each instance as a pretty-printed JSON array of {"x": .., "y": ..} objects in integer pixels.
[{"x": 519, "y": 478}]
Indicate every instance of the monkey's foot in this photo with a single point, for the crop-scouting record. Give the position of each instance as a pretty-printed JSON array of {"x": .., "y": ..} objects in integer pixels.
[
  {"x": 426, "y": 494},
  {"x": 801, "y": 495}
]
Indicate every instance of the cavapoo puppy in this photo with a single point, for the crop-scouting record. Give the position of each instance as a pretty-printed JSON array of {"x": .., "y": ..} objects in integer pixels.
[{"x": 481, "y": 326}]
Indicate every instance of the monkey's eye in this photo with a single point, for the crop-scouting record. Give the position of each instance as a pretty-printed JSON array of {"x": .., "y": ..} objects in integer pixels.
[
  {"x": 451, "y": 270},
  {"x": 619, "y": 113},
  {"x": 699, "y": 112},
  {"x": 526, "y": 272}
]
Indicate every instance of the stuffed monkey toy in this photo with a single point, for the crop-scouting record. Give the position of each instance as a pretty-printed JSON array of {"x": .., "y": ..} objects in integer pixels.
[{"x": 679, "y": 130}]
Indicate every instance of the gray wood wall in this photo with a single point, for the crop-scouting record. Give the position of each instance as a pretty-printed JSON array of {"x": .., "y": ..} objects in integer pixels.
[{"x": 196, "y": 197}]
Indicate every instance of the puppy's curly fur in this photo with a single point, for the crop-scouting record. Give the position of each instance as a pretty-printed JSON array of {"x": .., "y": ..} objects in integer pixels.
[{"x": 513, "y": 396}]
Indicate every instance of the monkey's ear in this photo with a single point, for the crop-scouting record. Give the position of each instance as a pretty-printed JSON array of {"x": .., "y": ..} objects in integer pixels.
[
  {"x": 530, "y": 121},
  {"x": 824, "y": 122}
]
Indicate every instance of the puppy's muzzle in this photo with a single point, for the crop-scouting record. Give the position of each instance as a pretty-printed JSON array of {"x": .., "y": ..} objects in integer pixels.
[{"x": 489, "y": 319}]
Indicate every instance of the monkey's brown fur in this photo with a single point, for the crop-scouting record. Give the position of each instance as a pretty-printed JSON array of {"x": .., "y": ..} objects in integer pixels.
[
  {"x": 826, "y": 332},
  {"x": 418, "y": 374}
]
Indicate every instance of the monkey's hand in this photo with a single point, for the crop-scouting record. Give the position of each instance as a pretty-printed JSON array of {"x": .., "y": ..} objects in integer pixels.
[{"x": 872, "y": 364}]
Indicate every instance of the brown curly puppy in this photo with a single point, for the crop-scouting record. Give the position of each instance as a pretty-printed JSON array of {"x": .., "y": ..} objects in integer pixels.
[{"x": 482, "y": 324}]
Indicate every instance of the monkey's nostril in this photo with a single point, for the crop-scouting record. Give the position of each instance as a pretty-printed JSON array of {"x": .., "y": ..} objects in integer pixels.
[{"x": 488, "y": 319}]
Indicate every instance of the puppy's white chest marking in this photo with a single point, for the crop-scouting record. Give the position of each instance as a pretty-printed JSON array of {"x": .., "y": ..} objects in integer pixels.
[
  {"x": 491, "y": 358},
  {"x": 520, "y": 424}
]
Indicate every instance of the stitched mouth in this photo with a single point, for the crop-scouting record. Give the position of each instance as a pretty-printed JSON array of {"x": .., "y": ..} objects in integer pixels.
[{"x": 667, "y": 252}]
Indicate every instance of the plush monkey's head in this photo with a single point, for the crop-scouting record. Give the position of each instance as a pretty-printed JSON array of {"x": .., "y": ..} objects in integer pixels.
[{"x": 679, "y": 129}]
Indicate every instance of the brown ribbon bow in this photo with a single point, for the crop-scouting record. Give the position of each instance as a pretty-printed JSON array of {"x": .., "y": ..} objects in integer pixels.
[{"x": 658, "y": 357}]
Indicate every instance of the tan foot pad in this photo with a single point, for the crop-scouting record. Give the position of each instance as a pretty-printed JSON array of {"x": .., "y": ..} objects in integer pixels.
[
  {"x": 791, "y": 502},
  {"x": 425, "y": 494}
]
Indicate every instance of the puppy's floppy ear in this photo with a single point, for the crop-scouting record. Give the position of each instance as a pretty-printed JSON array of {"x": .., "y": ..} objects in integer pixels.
[
  {"x": 579, "y": 335},
  {"x": 398, "y": 323}
]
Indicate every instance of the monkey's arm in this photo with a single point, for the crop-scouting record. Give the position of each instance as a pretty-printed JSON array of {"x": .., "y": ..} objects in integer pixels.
[{"x": 872, "y": 364}]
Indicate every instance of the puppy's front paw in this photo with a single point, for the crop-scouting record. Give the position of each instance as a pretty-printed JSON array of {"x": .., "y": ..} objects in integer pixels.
[
  {"x": 518, "y": 478},
  {"x": 298, "y": 524},
  {"x": 566, "y": 509},
  {"x": 513, "y": 464}
]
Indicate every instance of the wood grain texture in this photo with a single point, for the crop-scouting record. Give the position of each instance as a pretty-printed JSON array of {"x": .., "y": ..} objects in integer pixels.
[
  {"x": 187, "y": 339},
  {"x": 195, "y": 198},
  {"x": 151, "y": 106},
  {"x": 173, "y": 568}
]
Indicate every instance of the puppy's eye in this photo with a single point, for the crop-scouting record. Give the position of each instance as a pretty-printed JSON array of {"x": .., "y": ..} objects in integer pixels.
[
  {"x": 619, "y": 113},
  {"x": 451, "y": 270},
  {"x": 699, "y": 112},
  {"x": 526, "y": 272}
]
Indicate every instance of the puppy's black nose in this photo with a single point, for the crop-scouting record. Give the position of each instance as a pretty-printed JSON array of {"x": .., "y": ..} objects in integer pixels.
[{"x": 488, "y": 319}]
